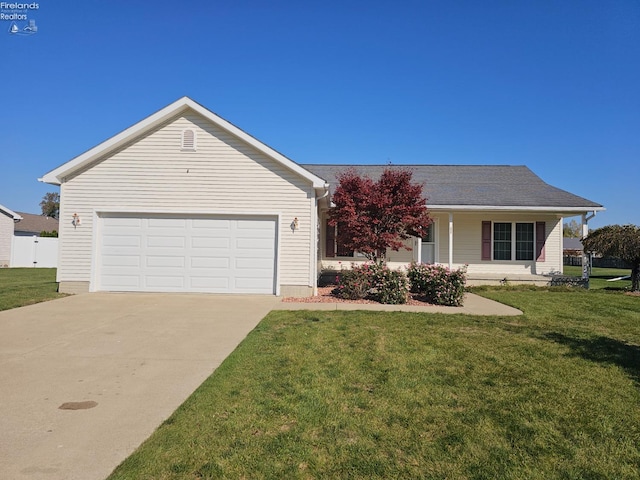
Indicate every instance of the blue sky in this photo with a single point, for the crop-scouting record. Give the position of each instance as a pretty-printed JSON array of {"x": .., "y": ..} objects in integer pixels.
[{"x": 551, "y": 85}]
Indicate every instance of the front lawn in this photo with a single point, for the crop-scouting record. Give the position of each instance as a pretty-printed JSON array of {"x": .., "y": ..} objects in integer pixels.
[
  {"x": 25, "y": 286},
  {"x": 554, "y": 393}
]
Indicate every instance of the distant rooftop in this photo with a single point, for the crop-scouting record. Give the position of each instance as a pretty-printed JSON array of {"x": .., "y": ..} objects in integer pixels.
[
  {"x": 34, "y": 224},
  {"x": 571, "y": 244}
]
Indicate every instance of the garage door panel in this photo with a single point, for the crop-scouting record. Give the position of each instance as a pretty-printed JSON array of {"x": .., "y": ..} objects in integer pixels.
[
  {"x": 164, "y": 281},
  {"x": 121, "y": 260},
  {"x": 250, "y": 284},
  {"x": 253, "y": 244},
  {"x": 166, "y": 223},
  {"x": 121, "y": 241},
  {"x": 254, "y": 264},
  {"x": 213, "y": 254},
  {"x": 165, "y": 241},
  {"x": 214, "y": 224},
  {"x": 210, "y": 262},
  {"x": 121, "y": 281},
  {"x": 212, "y": 284},
  {"x": 121, "y": 222},
  {"x": 165, "y": 261},
  {"x": 210, "y": 242}
]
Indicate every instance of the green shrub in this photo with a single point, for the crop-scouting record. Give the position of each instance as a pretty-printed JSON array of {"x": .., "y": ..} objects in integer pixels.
[{"x": 437, "y": 283}]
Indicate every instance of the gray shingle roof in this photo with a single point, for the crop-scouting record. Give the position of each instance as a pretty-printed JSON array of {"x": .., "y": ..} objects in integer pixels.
[
  {"x": 571, "y": 243},
  {"x": 473, "y": 185},
  {"x": 34, "y": 224}
]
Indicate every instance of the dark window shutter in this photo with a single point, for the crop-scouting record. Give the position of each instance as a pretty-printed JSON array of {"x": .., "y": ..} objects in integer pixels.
[
  {"x": 330, "y": 240},
  {"x": 486, "y": 240},
  {"x": 541, "y": 232}
]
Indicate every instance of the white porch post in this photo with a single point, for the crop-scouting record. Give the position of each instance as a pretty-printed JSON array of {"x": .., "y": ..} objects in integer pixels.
[{"x": 450, "y": 240}]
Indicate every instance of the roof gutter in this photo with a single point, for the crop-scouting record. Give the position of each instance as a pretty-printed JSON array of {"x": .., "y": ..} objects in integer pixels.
[{"x": 519, "y": 208}]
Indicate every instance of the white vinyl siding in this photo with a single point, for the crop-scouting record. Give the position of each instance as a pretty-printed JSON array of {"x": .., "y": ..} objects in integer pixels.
[
  {"x": 467, "y": 233},
  {"x": 6, "y": 236},
  {"x": 467, "y": 228},
  {"x": 153, "y": 174}
]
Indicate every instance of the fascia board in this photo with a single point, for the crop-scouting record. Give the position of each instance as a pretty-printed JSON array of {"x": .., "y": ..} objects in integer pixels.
[
  {"x": 11, "y": 213},
  {"x": 502, "y": 208},
  {"x": 56, "y": 176}
]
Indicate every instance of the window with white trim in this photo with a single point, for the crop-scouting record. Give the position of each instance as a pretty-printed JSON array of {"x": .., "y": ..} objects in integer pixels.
[
  {"x": 504, "y": 246},
  {"x": 188, "y": 141}
]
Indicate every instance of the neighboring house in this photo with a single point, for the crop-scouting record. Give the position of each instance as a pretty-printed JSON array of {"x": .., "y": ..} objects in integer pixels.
[
  {"x": 8, "y": 218},
  {"x": 572, "y": 246},
  {"x": 20, "y": 242},
  {"x": 184, "y": 201},
  {"x": 32, "y": 224}
]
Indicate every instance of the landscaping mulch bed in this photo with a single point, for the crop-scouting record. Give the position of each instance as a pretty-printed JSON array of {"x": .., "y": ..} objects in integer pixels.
[{"x": 325, "y": 296}]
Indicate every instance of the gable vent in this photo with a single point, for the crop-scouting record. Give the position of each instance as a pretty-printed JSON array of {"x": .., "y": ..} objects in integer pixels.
[{"x": 188, "y": 140}]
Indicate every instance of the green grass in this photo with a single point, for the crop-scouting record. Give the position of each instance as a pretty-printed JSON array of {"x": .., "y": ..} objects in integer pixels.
[
  {"x": 599, "y": 276},
  {"x": 25, "y": 286},
  {"x": 552, "y": 394}
]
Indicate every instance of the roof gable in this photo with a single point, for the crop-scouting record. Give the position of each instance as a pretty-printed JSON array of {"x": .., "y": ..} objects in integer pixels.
[
  {"x": 58, "y": 175},
  {"x": 10, "y": 213},
  {"x": 469, "y": 187}
]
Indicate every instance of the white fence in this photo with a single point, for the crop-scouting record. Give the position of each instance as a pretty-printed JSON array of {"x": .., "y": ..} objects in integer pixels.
[{"x": 34, "y": 252}]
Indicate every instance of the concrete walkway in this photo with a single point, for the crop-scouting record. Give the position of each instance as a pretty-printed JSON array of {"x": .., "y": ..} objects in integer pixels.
[
  {"x": 472, "y": 305},
  {"x": 136, "y": 357}
]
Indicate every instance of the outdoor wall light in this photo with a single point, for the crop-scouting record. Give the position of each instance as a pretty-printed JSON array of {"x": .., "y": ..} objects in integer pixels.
[
  {"x": 75, "y": 220},
  {"x": 294, "y": 224}
]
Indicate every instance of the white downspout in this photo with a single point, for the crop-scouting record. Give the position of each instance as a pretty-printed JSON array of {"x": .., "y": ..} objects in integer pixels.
[
  {"x": 450, "y": 240},
  {"x": 585, "y": 232},
  {"x": 316, "y": 234}
]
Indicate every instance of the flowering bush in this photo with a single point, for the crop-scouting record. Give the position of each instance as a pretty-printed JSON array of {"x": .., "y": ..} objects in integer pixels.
[
  {"x": 389, "y": 286},
  {"x": 438, "y": 284},
  {"x": 354, "y": 284},
  {"x": 375, "y": 281}
]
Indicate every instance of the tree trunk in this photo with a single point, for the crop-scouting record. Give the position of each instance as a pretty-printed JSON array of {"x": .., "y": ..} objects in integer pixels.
[{"x": 635, "y": 278}]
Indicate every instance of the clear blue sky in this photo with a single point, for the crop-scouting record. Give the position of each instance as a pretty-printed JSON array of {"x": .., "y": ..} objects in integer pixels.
[{"x": 551, "y": 85}]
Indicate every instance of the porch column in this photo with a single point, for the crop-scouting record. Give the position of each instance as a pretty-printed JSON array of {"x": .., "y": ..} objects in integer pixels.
[{"x": 450, "y": 240}]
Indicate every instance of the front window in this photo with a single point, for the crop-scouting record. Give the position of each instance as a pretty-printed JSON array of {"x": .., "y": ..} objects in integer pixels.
[
  {"x": 502, "y": 241},
  {"x": 504, "y": 248},
  {"x": 524, "y": 241}
]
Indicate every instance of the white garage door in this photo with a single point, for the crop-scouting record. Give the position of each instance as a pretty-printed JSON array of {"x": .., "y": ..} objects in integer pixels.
[{"x": 176, "y": 254}]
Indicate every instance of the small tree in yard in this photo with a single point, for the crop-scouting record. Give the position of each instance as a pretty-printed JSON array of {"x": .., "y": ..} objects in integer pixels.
[
  {"x": 373, "y": 216},
  {"x": 620, "y": 241}
]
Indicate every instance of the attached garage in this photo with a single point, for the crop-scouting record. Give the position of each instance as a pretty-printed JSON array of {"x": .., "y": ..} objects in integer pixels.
[
  {"x": 195, "y": 253},
  {"x": 184, "y": 201}
]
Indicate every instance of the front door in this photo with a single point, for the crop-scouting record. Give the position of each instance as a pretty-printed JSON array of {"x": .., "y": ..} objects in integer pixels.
[{"x": 428, "y": 245}]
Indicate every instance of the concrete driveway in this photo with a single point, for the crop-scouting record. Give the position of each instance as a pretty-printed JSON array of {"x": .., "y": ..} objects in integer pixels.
[{"x": 122, "y": 362}]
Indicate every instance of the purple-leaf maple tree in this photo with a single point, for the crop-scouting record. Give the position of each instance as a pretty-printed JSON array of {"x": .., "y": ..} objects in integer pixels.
[{"x": 374, "y": 216}]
